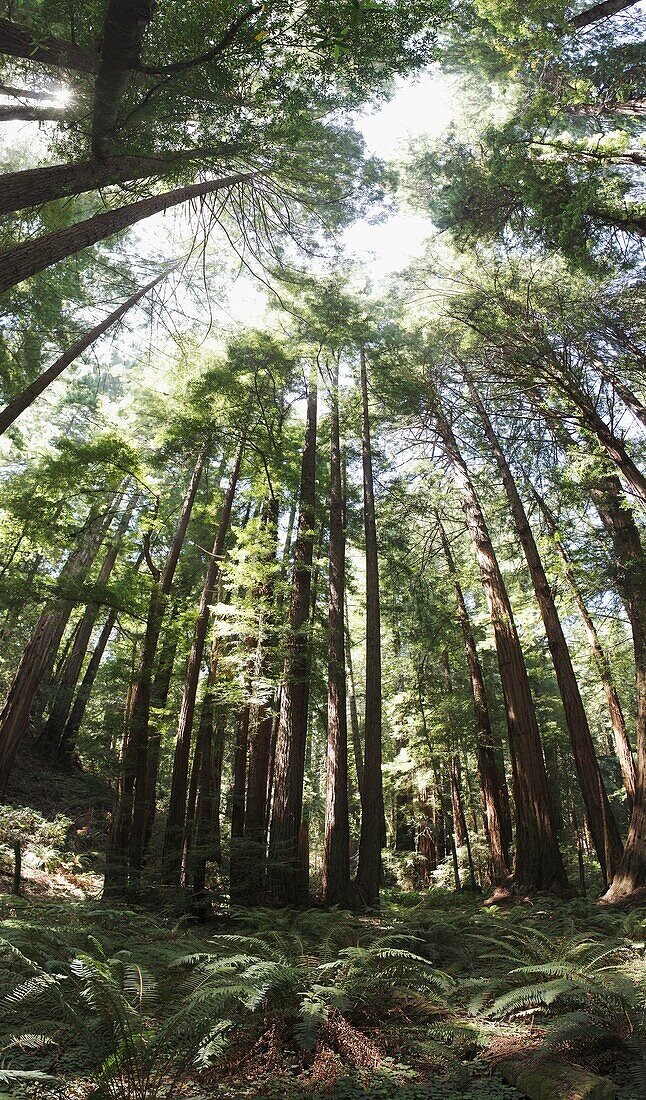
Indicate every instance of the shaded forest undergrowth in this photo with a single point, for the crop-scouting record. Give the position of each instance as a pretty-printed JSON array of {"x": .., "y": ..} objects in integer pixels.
[{"x": 435, "y": 996}]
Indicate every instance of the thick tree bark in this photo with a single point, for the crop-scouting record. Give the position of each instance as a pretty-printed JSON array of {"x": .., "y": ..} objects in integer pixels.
[
  {"x": 615, "y": 710},
  {"x": 123, "y": 33},
  {"x": 291, "y": 735},
  {"x": 537, "y": 864},
  {"x": 599, "y": 11},
  {"x": 35, "y": 186},
  {"x": 40, "y": 651},
  {"x": 51, "y": 738},
  {"x": 27, "y": 259},
  {"x": 488, "y": 772},
  {"x": 17, "y": 40},
  {"x": 336, "y": 844},
  {"x": 372, "y": 800},
  {"x": 131, "y": 810},
  {"x": 603, "y": 827},
  {"x": 172, "y": 853}
]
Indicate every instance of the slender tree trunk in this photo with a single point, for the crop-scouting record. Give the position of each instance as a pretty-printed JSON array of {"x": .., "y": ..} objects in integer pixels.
[
  {"x": 336, "y": 849},
  {"x": 488, "y": 772},
  {"x": 123, "y": 33},
  {"x": 537, "y": 864},
  {"x": 27, "y": 259},
  {"x": 131, "y": 811},
  {"x": 41, "y": 649},
  {"x": 628, "y": 397},
  {"x": 158, "y": 698},
  {"x": 617, "y": 720},
  {"x": 603, "y": 827},
  {"x": 77, "y": 713},
  {"x": 352, "y": 703},
  {"x": 255, "y": 821},
  {"x": 460, "y": 830},
  {"x": 596, "y": 425},
  {"x": 372, "y": 812},
  {"x": 203, "y": 829},
  {"x": 17, "y": 40},
  {"x": 51, "y": 739},
  {"x": 23, "y": 401},
  {"x": 599, "y": 11},
  {"x": 171, "y": 856},
  {"x": 239, "y": 870},
  {"x": 291, "y": 736}
]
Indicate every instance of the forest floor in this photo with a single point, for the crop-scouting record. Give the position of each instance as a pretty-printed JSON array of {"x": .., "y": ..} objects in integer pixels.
[{"x": 436, "y": 997}]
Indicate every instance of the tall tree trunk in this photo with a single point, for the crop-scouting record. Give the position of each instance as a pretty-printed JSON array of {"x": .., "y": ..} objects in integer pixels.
[
  {"x": 35, "y": 186},
  {"x": 255, "y": 821},
  {"x": 13, "y": 410},
  {"x": 123, "y": 33},
  {"x": 336, "y": 845},
  {"x": 621, "y": 741},
  {"x": 488, "y": 772},
  {"x": 82, "y": 698},
  {"x": 172, "y": 853},
  {"x": 372, "y": 800},
  {"x": 51, "y": 738},
  {"x": 603, "y": 827},
  {"x": 159, "y": 691},
  {"x": 201, "y": 846},
  {"x": 291, "y": 735},
  {"x": 537, "y": 864},
  {"x": 27, "y": 259},
  {"x": 239, "y": 869},
  {"x": 17, "y": 40},
  {"x": 355, "y": 728},
  {"x": 41, "y": 649},
  {"x": 131, "y": 810}
]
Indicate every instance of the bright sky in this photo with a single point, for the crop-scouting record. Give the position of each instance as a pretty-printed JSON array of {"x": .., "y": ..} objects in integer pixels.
[{"x": 422, "y": 106}]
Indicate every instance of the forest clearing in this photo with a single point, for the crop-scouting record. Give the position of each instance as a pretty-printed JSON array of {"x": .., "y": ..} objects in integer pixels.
[{"x": 322, "y": 550}]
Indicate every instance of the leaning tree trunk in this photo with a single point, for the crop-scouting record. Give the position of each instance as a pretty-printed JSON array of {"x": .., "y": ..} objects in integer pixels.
[
  {"x": 30, "y": 113},
  {"x": 372, "y": 801},
  {"x": 291, "y": 738},
  {"x": 603, "y": 10},
  {"x": 630, "y": 881},
  {"x": 488, "y": 772},
  {"x": 40, "y": 651},
  {"x": 336, "y": 844},
  {"x": 602, "y": 824},
  {"x": 172, "y": 851},
  {"x": 17, "y": 40},
  {"x": 27, "y": 259},
  {"x": 35, "y": 186},
  {"x": 131, "y": 810},
  {"x": 123, "y": 33},
  {"x": 14, "y": 409},
  {"x": 538, "y": 865},
  {"x": 596, "y": 425},
  {"x": 608, "y": 498},
  {"x": 621, "y": 741},
  {"x": 51, "y": 738}
]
